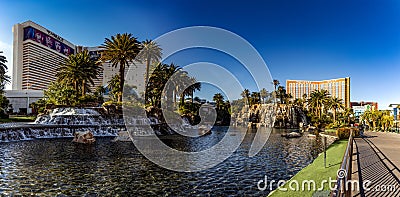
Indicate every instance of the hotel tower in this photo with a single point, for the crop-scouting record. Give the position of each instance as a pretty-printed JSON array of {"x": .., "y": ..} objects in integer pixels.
[{"x": 339, "y": 88}]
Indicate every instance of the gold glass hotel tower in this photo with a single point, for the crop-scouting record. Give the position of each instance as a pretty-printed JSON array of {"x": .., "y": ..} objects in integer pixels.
[{"x": 339, "y": 88}]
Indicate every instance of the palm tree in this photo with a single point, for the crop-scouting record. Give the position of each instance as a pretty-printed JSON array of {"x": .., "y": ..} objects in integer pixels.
[
  {"x": 299, "y": 103},
  {"x": 3, "y": 69},
  {"x": 263, "y": 94},
  {"x": 335, "y": 104},
  {"x": 276, "y": 83},
  {"x": 254, "y": 98},
  {"x": 219, "y": 100},
  {"x": 348, "y": 112},
  {"x": 114, "y": 86},
  {"x": 120, "y": 50},
  {"x": 386, "y": 121},
  {"x": 78, "y": 69},
  {"x": 281, "y": 93},
  {"x": 245, "y": 94},
  {"x": 151, "y": 52},
  {"x": 192, "y": 88},
  {"x": 317, "y": 100}
]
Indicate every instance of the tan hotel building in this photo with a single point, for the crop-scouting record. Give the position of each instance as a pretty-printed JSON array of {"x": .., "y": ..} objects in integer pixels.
[
  {"x": 38, "y": 52},
  {"x": 339, "y": 88}
]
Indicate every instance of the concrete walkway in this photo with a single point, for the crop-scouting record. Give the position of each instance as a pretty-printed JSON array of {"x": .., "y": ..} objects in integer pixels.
[{"x": 376, "y": 159}]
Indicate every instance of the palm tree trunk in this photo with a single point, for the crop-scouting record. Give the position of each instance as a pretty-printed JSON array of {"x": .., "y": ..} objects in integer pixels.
[
  {"x": 122, "y": 81},
  {"x": 83, "y": 88},
  {"x": 334, "y": 116},
  {"x": 76, "y": 86},
  {"x": 147, "y": 70}
]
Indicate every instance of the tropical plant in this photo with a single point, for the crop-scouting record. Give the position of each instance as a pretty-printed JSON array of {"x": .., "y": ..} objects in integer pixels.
[
  {"x": 4, "y": 79},
  {"x": 61, "y": 93},
  {"x": 335, "y": 104},
  {"x": 281, "y": 93},
  {"x": 192, "y": 88},
  {"x": 79, "y": 70},
  {"x": 276, "y": 83},
  {"x": 219, "y": 100},
  {"x": 263, "y": 94},
  {"x": 115, "y": 89},
  {"x": 386, "y": 121},
  {"x": 317, "y": 101},
  {"x": 246, "y": 95},
  {"x": 151, "y": 53},
  {"x": 254, "y": 98},
  {"x": 120, "y": 51}
]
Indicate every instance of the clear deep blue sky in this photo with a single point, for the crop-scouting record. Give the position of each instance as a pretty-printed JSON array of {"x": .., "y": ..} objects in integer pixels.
[{"x": 310, "y": 40}]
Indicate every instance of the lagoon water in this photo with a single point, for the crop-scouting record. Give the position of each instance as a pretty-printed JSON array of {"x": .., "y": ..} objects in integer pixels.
[{"x": 52, "y": 167}]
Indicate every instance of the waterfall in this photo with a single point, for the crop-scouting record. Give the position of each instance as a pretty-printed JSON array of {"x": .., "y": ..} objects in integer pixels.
[{"x": 63, "y": 122}]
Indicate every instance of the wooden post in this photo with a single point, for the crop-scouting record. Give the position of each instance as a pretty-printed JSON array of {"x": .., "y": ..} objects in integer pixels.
[{"x": 325, "y": 151}]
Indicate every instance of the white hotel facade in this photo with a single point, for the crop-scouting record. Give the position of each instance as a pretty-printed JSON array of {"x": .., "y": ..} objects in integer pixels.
[{"x": 37, "y": 53}]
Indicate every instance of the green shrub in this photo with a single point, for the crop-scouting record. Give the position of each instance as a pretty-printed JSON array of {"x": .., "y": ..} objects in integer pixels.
[{"x": 344, "y": 133}]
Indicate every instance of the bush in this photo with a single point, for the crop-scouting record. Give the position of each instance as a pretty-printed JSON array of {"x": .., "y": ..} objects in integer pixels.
[{"x": 344, "y": 133}]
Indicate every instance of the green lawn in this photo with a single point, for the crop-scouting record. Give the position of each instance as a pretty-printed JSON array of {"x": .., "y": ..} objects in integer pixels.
[
  {"x": 18, "y": 119},
  {"x": 316, "y": 171}
]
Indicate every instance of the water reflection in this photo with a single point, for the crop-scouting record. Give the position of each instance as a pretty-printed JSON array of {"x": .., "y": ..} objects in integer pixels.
[{"x": 57, "y": 166}]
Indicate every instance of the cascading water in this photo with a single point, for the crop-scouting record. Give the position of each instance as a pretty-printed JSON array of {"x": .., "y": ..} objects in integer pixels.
[{"x": 62, "y": 122}]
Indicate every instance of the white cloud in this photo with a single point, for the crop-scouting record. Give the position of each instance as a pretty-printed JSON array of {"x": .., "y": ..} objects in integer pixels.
[{"x": 7, "y": 52}]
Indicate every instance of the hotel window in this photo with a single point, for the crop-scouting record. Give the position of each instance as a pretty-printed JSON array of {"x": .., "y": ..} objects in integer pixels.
[
  {"x": 337, "y": 90},
  {"x": 306, "y": 89}
]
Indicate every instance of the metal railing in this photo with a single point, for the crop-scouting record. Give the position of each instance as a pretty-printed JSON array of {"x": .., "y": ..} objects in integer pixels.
[{"x": 343, "y": 185}]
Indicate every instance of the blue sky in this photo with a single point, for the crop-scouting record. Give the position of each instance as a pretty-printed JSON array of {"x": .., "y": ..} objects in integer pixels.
[{"x": 297, "y": 39}]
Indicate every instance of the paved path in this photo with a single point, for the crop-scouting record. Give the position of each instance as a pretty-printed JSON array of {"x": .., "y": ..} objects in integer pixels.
[{"x": 376, "y": 159}]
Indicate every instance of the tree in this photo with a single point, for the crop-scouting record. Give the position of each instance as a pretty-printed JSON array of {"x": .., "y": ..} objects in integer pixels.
[
  {"x": 219, "y": 100},
  {"x": 245, "y": 94},
  {"x": 78, "y": 70},
  {"x": 120, "y": 51},
  {"x": 254, "y": 98},
  {"x": 192, "y": 88},
  {"x": 151, "y": 52},
  {"x": 263, "y": 94},
  {"x": 335, "y": 104},
  {"x": 281, "y": 93},
  {"x": 4, "y": 79},
  {"x": 386, "y": 121},
  {"x": 276, "y": 83},
  {"x": 317, "y": 101},
  {"x": 114, "y": 86},
  {"x": 61, "y": 93}
]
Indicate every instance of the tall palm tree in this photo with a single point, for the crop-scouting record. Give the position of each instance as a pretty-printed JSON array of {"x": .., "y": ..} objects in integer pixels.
[
  {"x": 151, "y": 52},
  {"x": 335, "y": 104},
  {"x": 120, "y": 50},
  {"x": 276, "y": 83},
  {"x": 263, "y": 94},
  {"x": 317, "y": 101},
  {"x": 3, "y": 66},
  {"x": 192, "y": 88},
  {"x": 3, "y": 69},
  {"x": 219, "y": 100},
  {"x": 78, "y": 69},
  {"x": 245, "y": 94},
  {"x": 281, "y": 92},
  {"x": 254, "y": 98}
]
